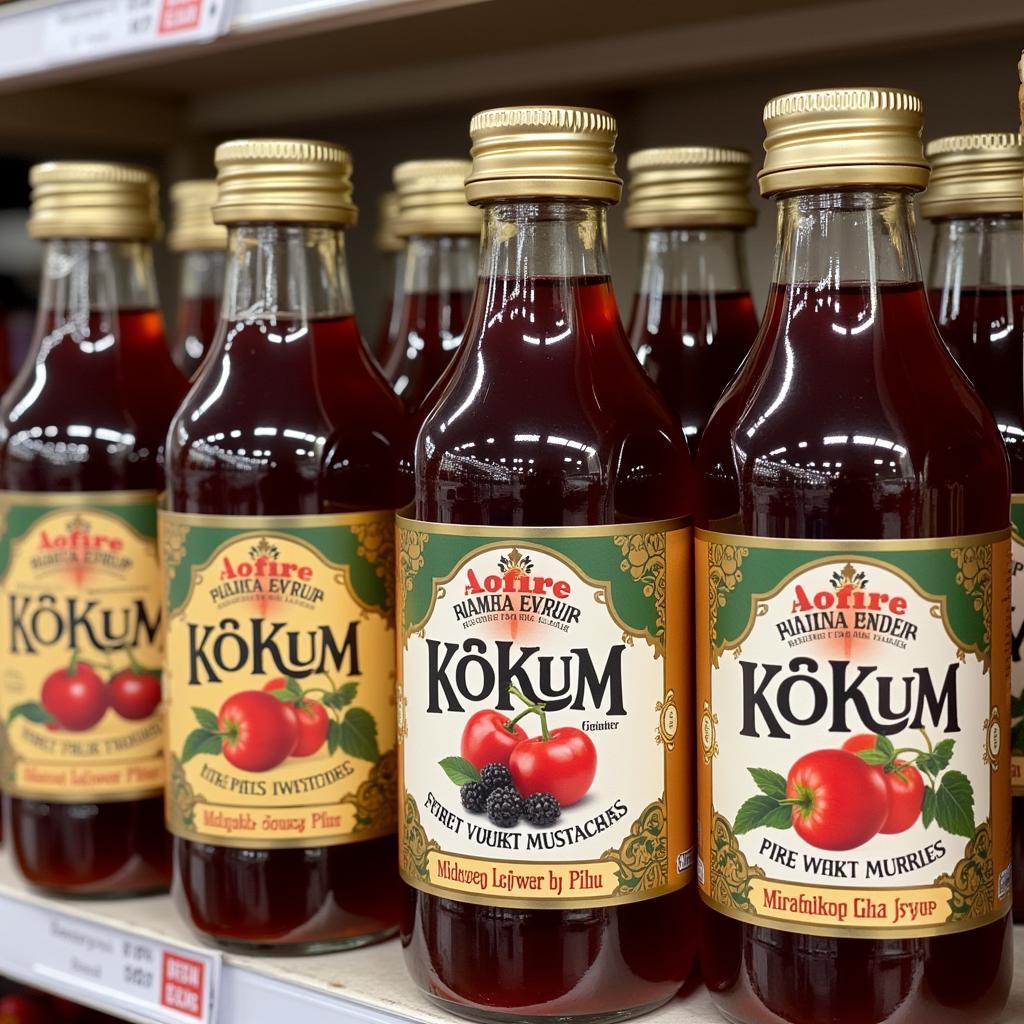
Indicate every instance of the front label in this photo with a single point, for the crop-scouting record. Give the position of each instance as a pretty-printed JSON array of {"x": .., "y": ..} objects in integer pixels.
[
  {"x": 81, "y": 633},
  {"x": 544, "y": 713},
  {"x": 851, "y": 700},
  {"x": 280, "y": 678},
  {"x": 1017, "y": 641}
]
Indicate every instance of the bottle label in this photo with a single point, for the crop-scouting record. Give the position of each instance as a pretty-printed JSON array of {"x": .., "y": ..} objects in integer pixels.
[
  {"x": 80, "y": 625},
  {"x": 853, "y": 777},
  {"x": 544, "y": 712},
  {"x": 1016, "y": 643},
  {"x": 280, "y": 678}
]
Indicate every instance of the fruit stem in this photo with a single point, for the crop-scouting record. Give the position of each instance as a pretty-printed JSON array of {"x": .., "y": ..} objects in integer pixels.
[{"x": 532, "y": 708}]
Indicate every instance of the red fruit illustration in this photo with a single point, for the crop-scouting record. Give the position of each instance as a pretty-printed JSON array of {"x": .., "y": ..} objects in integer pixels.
[
  {"x": 489, "y": 737},
  {"x": 258, "y": 732},
  {"x": 311, "y": 721},
  {"x": 904, "y": 785},
  {"x": 75, "y": 696},
  {"x": 839, "y": 802},
  {"x": 134, "y": 695},
  {"x": 562, "y": 762}
]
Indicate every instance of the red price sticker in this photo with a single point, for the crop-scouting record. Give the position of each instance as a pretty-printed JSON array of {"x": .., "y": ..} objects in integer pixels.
[
  {"x": 182, "y": 985},
  {"x": 179, "y": 16}
]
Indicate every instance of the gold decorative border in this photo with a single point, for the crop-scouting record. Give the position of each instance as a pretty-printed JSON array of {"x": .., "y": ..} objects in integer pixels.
[
  {"x": 641, "y": 859},
  {"x": 612, "y": 530},
  {"x": 840, "y": 544},
  {"x": 257, "y": 523}
]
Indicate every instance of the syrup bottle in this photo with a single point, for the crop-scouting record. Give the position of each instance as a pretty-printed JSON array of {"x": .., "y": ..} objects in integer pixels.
[
  {"x": 81, "y": 464},
  {"x": 852, "y": 565},
  {"x": 693, "y": 319},
  {"x": 442, "y": 235},
  {"x": 392, "y": 246},
  {"x": 200, "y": 244},
  {"x": 545, "y": 829},
  {"x": 278, "y": 554},
  {"x": 976, "y": 290}
]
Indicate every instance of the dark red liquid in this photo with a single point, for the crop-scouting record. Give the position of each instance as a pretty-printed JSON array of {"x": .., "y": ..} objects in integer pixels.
[
  {"x": 985, "y": 331},
  {"x": 130, "y": 389},
  {"x": 428, "y": 335},
  {"x": 197, "y": 322},
  {"x": 381, "y": 347},
  {"x": 300, "y": 899},
  {"x": 890, "y": 381},
  {"x": 691, "y": 345},
  {"x": 632, "y": 466}
]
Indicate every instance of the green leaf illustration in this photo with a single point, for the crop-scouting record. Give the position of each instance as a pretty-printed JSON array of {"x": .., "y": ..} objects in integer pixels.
[
  {"x": 200, "y": 741},
  {"x": 340, "y": 698},
  {"x": 762, "y": 812},
  {"x": 937, "y": 760},
  {"x": 33, "y": 712},
  {"x": 928, "y": 806},
  {"x": 459, "y": 770},
  {"x": 770, "y": 783},
  {"x": 873, "y": 756},
  {"x": 207, "y": 719},
  {"x": 954, "y": 804},
  {"x": 358, "y": 735}
]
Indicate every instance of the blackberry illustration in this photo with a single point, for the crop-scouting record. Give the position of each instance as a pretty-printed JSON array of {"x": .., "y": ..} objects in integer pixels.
[
  {"x": 541, "y": 809},
  {"x": 474, "y": 797},
  {"x": 495, "y": 776},
  {"x": 505, "y": 807}
]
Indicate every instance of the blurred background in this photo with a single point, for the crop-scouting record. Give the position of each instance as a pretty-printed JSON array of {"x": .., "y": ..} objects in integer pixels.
[{"x": 399, "y": 79}]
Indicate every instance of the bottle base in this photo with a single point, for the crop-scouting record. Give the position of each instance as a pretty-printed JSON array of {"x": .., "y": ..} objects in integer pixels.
[
  {"x": 92, "y": 894},
  {"x": 486, "y": 1016},
  {"x": 317, "y": 947}
]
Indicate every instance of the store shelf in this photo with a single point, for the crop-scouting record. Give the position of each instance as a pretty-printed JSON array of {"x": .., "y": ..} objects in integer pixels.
[{"x": 82, "y": 950}]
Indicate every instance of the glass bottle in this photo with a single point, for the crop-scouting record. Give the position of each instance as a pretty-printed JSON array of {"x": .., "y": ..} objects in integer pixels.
[
  {"x": 852, "y": 566},
  {"x": 393, "y": 248},
  {"x": 976, "y": 290},
  {"x": 693, "y": 319},
  {"x": 81, "y": 464},
  {"x": 545, "y": 561},
  {"x": 278, "y": 547},
  {"x": 442, "y": 233},
  {"x": 200, "y": 243}
]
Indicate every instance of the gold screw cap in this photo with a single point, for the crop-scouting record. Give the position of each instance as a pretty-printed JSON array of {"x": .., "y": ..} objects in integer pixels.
[
  {"x": 283, "y": 180},
  {"x": 547, "y": 152},
  {"x": 387, "y": 214},
  {"x": 974, "y": 175},
  {"x": 192, "y": 225},
  {"x": 689, "y": 187},
  {"x": 73, "y": 199},
  {"x": 432, "y": 198},
  {"x": 836, "y": 138}
]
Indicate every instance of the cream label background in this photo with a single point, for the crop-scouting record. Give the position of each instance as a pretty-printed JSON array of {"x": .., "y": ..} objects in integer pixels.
[
  {"x": 79, "y": 596},
  {"x": 783, "y": 672},
  {"x": 307, "y": 601},
  {"x": 614, "y": 611}
]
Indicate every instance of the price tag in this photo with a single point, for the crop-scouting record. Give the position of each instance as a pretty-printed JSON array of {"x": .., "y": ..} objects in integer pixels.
[
  {"x": 90, "y": 29},
  {"x": 117, "y": 969}
]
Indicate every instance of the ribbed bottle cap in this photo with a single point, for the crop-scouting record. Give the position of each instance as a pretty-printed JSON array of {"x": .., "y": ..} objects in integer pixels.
[
  {"x": 291, "y": 180},
  {"x": 548, "y": 152},
  {"x": 689, "y": 187},
  {"x": 974, "y": 175},
  {"x": 192, "y": 226},
  {"x": 432, "y": 198},
  {"x": 72, "y": 199},
  {"x": 834, "y": 138},
  {"x": 387, "y": 213}
]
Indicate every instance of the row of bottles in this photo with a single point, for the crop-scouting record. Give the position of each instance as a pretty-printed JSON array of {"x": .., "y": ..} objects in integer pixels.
[{"x": 643, "y": 674}]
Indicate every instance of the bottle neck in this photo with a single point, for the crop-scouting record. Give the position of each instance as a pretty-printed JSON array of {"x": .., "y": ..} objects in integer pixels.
[
  {"x": 977, "y": 253},
  {"x": 202, "y": 274},
  {"x": 440, "y": 265},
  {"x": 286, "y": 271},
  {"x": 693, "y": 261},
  {"x": 860, "y": 239},
  {"x": 552, "y": 239},
  {"x": 83, "y": 275}
]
